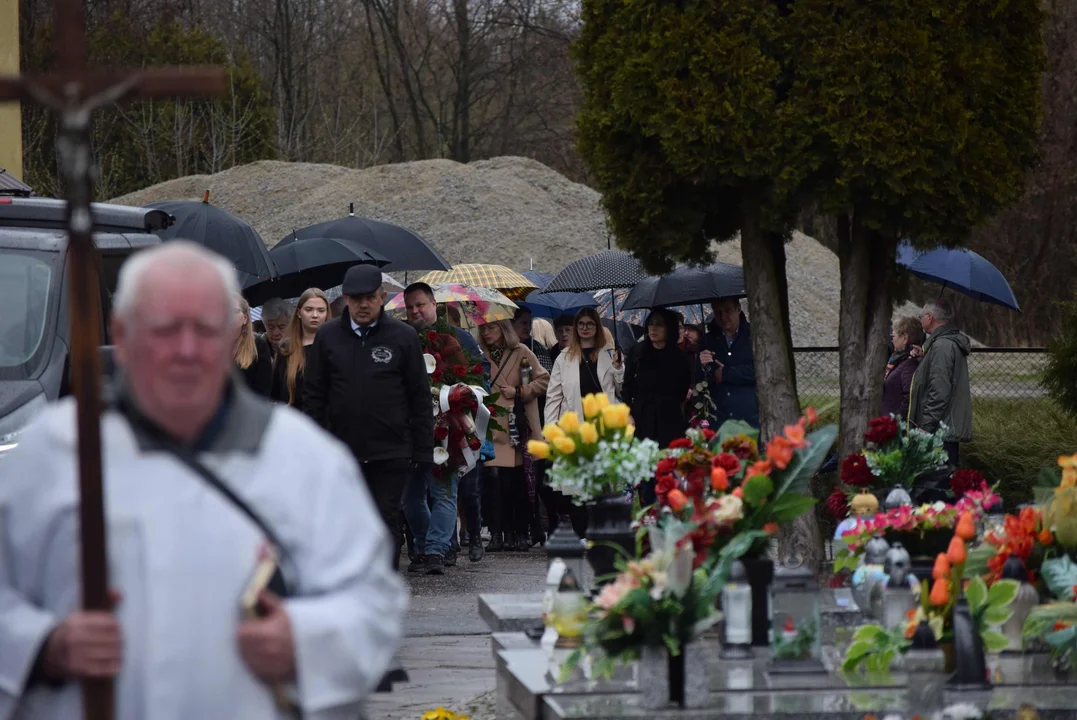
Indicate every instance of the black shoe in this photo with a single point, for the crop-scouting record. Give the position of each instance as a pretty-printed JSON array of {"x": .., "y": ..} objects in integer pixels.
[
  {"x": 538, "y": 538},
  {"x": 450, "y": 557},
  {"x": 435, "y": 565},
  {"x": 418, "y": 564},
  {"x": 497, "y": 543},
  {"x": 523, "y": 542},
  {"x": 474, "y": 553},
  {"x": 465, "y": 539}
]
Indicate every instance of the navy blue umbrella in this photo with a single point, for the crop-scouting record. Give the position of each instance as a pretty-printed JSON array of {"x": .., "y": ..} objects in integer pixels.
[
  {"x": 552, "y": 305},
  {"x": 961, "y": 270},
  {"x": 540, "y": 279}
]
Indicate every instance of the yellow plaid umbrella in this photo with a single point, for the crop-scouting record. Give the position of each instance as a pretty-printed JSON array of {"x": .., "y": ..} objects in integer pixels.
[{"x": 510, "y": 283}]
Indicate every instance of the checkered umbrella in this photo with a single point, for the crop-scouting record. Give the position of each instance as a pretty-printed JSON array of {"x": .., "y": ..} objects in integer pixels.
[
  {"x": 512, "y": 284},
  {"x": 476, "y": 305}
]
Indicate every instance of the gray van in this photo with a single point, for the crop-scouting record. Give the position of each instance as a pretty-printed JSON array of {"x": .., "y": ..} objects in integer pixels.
[{"x": 35, "y": 330}]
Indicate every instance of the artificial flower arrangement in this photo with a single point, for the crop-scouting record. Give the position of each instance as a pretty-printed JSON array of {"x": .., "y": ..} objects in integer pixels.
[
  {"x": 908, "y": 523},
  {"x": 664, "y": 600},
  {"x": 598, "y": 455},
  {"x": 464, "y": 413},
  {"x": 894, "y": 454},
  {"x": 874, "y": 647},
  {"x": 719, "y": 484},
  {"x": 441, "y": 713}
]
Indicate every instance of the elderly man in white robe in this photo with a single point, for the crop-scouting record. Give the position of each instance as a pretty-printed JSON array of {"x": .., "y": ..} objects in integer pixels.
[{"x": 182, "y": 549}]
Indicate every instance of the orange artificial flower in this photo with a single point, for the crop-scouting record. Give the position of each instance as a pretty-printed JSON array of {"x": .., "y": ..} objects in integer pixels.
[
  {"x": 780, "y": 452},
  {"x": 770, "y": 527},
  {"x": 1045, "y": 537},
  {"x": 940, "y": 593},
  {"x": 941, "y": 570},
  {"x": 795, "y": 435},
  {"x": 738, "y": 492},
  {"x": 676, "y": 500},
  {"x": 966, "y": 528},
  {"x": 811, "y": 416},
  {"x": 957, "y": 553},
  {"x": 760, "y": 467},
  {"x": 719, "y": 479}
]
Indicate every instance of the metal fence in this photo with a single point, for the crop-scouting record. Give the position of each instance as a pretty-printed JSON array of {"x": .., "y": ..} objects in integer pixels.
[{"x": 1013, "y": 373}]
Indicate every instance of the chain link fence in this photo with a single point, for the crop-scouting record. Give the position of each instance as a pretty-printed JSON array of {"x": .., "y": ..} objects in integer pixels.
[{"x": 1013, "y": 373}]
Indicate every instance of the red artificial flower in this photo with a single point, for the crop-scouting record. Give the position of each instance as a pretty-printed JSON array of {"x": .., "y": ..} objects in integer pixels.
[
  {"x": 708, "y": 435},
  {"x": 440, "y": 432},
  {"x": 837, "y": 505},
  {"x": 965, "y": 480},
  {"x": 665, "y": 484},
  {"x": 855, "y": 471},
  {"x": 459, "y": 370},
  {"x": 474, "y": 443},
  {"x": 770, "y": 527},
  {"x": 761, "y": 467},
  {"x": 431, "y": 337},
  {"x": 681, "y": 444},
  {"x": 477, "y": 369},
  {"x": 881, "y": 430},
  {"x": 665, "y": 465},
  {"x": 437, "y": 376},
  {"x": 727, "y": 462}
]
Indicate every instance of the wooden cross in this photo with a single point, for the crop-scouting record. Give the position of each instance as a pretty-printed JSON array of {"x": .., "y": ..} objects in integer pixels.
[{"x": 75, "y": 91}]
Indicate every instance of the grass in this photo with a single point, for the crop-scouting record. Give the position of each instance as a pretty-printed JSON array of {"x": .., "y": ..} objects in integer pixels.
[{"x": 1013, "y": 439}]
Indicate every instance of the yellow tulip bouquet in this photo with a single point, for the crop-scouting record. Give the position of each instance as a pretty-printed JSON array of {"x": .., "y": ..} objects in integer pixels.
[{"x": 598, "y": 455}]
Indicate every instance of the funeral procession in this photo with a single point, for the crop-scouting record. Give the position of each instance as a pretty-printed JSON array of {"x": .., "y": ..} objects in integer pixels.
[{"x": 538, "y": 360}]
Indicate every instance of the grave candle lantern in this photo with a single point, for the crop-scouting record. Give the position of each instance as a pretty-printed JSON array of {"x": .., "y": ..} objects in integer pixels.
[
  {"x": 795, "y": 645},
  {"x": 737, "y": 613}
]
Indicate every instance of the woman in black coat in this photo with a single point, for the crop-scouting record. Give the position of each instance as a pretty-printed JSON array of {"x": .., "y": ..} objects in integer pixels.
[
  {"x": 657, "y": 379},
  {"x": 253, "y": 356}
]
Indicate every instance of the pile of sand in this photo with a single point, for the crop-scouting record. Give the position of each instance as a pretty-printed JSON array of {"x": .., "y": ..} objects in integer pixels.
[{"x": 509, "y": 211}]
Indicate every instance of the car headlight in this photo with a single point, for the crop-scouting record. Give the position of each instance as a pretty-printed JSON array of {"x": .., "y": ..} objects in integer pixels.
[{"x": 13, "y": 424}]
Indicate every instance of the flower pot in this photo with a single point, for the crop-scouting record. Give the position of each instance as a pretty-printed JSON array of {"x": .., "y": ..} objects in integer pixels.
[
  {"x": 760, "y": 572},
  {"x": 673, "y": 680},
  {"x": 609, "y": 523}
]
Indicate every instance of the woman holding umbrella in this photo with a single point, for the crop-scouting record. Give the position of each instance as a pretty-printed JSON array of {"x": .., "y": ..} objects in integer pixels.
[
  {"x": 310, "y": 312},
  {"x": 657, "y": 379}
]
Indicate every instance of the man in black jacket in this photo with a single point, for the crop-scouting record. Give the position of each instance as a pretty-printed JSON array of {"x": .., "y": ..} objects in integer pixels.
[{"x": 366, "y": 382}]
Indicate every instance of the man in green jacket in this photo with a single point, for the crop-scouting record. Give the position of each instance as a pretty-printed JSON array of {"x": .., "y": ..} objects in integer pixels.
[{"x": 940, "y": 388}]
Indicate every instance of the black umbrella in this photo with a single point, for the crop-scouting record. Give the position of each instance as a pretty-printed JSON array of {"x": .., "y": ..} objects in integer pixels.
[
  {"x": 221, "y": 232},
  {"x": 402, "y": 248},
  {"x": 687, "y": 286},
  {"x": 317, "y": 262},
  {"x": 605, "y": 271}
]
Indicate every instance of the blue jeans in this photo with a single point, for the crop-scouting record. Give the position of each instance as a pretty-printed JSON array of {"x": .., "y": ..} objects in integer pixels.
[{"x": 432, "y": 528}]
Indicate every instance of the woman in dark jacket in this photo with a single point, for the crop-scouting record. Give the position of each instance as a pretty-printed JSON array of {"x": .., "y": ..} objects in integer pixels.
[
  {"x": 908, "y": 338},
  {"x": 252, "y": 354},
  {"x": 657, "y": 378},
  {"x": 311, "y": 312}
]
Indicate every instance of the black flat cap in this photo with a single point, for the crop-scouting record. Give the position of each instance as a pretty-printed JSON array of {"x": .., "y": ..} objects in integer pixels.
[{"x": 361, "y": 280}]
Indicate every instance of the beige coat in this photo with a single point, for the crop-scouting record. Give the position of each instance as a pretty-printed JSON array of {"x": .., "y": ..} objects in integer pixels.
[
  {"x": 563, "y": 394},
  {"x": 509, "y": 377}
]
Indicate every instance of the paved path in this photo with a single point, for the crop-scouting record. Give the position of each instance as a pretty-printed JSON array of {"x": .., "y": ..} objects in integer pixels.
[{"x": 447, "y": 647}]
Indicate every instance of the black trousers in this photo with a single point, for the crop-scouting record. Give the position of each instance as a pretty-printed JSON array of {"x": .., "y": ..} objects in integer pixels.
[
  {"x": 507, "y": 507},
  {"x": 469, "y": 494},
  {"x": 559, "y": 505},
  {"x": 386, "y": 480},
  {"x": 953, "y": 449}
]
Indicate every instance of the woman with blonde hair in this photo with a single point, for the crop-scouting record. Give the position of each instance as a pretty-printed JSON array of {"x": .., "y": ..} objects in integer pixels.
[
  {"x": 251, "y": 352},
  {"x": 590, "y": 365},
  {"x": 310, "y": 312},
  {"x": 509, "y": 483}
]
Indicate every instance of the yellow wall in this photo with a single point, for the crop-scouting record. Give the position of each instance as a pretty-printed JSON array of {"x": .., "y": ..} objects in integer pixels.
[{"x": 10, "y": 115}]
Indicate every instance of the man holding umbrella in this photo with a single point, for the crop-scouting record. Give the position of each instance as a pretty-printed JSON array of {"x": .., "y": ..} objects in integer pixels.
[
  {"x": 727, "y": 364},
  {"x": 366, "y": 383},
  {"x": 940, "y": 387}
]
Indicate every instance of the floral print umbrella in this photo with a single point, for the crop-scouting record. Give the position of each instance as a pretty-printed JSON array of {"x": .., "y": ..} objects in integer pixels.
[
  {"x": 475, "y": 305},
  {"x": 693, "y": 314}
]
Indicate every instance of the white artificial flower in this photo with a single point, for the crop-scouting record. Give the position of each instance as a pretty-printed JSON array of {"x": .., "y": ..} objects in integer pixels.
[
  {"x": 730, "y": 509},
  {"x": 962, "y": 711},
  {"x": 431, "y": 363},
  {"x": 441, "y": 456}
]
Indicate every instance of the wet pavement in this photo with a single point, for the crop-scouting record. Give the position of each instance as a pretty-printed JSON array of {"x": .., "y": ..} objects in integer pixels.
[{"x": 446, "y": 649}]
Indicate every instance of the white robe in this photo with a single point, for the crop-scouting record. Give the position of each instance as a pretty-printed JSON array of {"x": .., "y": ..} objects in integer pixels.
[{"x": 181, "y": 554}]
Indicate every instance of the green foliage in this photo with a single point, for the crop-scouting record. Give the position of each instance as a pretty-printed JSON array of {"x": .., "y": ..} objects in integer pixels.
[
  {"x": 756, "y": 489},
  {"x": 141, "y": 144},
  {"x": 1044, "y": 618},
  {"x": 991, "y": 608},
  {"x": 798, "y": 647},
  {"x": 1060, "y": 576},
  {"x": 926, "y": 134},
  {"x": 1060, "y": 375},
  {"x": 874, "y": 649}
]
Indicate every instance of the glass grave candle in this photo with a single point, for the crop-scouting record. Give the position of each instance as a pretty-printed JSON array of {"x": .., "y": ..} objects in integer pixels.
[{"x": 795, "y": 621}]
